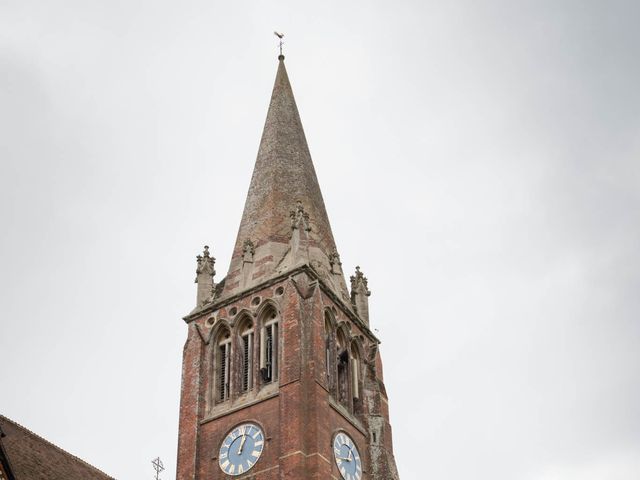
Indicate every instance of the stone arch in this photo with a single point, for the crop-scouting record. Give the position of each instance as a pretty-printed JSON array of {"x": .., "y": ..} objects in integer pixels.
[
  {"x": 264, "y": 308},
  {"x": 241, "y": 315},
  {"x": 220, "y": 324}
]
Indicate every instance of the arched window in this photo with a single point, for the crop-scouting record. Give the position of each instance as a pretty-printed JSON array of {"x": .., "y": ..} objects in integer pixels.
[
  {"x": 342, "y": 361},
  {"x": 246, "y": 360},
  {"x": 222, "y": 361},
  {"x": 269, "y": 342}
]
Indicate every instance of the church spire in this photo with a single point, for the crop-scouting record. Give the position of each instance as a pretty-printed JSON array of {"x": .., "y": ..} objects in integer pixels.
[{"x": 284, "y": 214}]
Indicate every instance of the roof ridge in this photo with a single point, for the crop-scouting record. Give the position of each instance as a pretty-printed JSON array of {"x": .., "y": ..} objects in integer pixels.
[{"x": 32, "y": 433}]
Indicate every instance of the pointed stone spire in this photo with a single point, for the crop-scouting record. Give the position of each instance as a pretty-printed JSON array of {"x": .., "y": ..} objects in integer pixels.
[{"x": 284, "y": 181}]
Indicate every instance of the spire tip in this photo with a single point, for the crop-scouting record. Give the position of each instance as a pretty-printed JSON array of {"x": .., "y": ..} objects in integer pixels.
[{"x": 280, "y": 43}]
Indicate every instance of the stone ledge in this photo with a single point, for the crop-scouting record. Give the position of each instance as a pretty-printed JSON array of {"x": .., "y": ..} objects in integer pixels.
[
  {"x": 239, "y": 406},
  {"x": 347, "y": 416}
]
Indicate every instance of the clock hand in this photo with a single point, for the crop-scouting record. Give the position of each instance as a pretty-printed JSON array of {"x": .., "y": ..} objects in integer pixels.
[
  {"x": 350, "y": 455},
  {"x": 244, "y": 438}
]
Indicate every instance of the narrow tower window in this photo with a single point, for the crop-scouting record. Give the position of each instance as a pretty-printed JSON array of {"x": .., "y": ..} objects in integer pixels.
[
  {"x": 342, "y": 362},
  {"x": 223, "y": 360},
  {"x": 269, "y": 349},
  {"x": 247, "y": 358}
]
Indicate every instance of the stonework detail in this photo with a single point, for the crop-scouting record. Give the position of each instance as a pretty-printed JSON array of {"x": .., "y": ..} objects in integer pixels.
[
  {"x": 248, "y": 250},
  {"x": 299, "y": 218},
  {"x": 336, "y": 264},
  {"x": 204, "y": 277},
  {"x": 360, "y": 295},
  {"x": 304, "y": 284},
  {"x": 300, "y": 229}
]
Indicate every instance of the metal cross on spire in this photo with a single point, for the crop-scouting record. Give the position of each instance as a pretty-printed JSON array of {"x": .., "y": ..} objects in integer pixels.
[
  {"x": 157, "y": 466},
  {"x": 280, "y": 35}
]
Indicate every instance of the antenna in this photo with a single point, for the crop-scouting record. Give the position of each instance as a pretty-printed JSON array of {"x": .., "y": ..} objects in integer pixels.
[
  {"x": 157, "y": 466},
  {"x": 280, "y": 35}
]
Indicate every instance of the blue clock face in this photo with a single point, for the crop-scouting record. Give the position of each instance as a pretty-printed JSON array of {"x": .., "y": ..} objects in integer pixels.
[
  {"x": 241, "y": 449},
  {"x": 347, "y": 457}
]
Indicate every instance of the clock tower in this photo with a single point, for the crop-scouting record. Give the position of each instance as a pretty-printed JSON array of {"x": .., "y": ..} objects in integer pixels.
[{"x": 282, "y": 376}]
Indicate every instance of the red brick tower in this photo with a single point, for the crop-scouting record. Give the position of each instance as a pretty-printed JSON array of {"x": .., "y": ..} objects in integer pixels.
[{"x": 282, "y": 377}]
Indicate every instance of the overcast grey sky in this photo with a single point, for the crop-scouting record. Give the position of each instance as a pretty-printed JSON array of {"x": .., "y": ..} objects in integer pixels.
[{"x": 479, "y": 159}]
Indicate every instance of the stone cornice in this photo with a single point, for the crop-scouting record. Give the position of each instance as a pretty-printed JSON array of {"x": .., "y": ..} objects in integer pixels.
[{"x": 216, "y": 305}]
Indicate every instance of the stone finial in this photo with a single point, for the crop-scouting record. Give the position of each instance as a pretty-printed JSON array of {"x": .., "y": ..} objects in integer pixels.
[
  {"x": 359, "y": 295},
  {"x": 299, "y": 218},
  {"x": 248, "y": 250},
  {"x": 336, "y": 264},
  {"x": 204, "y": 277},
  {"x": 360, "y": 282}
]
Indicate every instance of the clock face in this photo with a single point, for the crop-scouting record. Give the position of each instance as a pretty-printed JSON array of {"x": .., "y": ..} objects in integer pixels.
[
  {"x": 241, "y": 449},
  {"x": 347, "y": 457}
]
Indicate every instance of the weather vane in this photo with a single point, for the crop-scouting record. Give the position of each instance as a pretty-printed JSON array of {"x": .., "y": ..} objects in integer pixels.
[
  {"x": 280, "y": 35},
  {"x": 157, "y": 466}
]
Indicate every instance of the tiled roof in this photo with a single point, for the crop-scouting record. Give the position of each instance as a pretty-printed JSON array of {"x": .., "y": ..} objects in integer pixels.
[{"x": 33, "y": 458}]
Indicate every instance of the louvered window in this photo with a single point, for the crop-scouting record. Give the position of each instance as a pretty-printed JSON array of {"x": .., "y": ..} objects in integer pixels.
[
  {"x": 224, "y": 351},
  {"x": 247, "y": 357},
  {"x": 343, "y": 374},
  {"x": 343, "y": 377},
  {"x": 269, "y": 356}
]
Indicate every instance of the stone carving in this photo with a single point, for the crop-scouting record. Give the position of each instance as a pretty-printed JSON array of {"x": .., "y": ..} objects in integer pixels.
[
  {"x": 300, "y": 218},
  {"x": 205, "y": 263},
  {"x": 305, "y": 285},
  {"x": 300, "y": 229},
  {"x": 336, "y": 264},
  {"x": 248, "y": 250},
  {"x": 320, "y": 269},
  {"x": 359, "y": 295},
  {"x": 360, "y": 283},
  {"x": 204, "y": 277}
]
